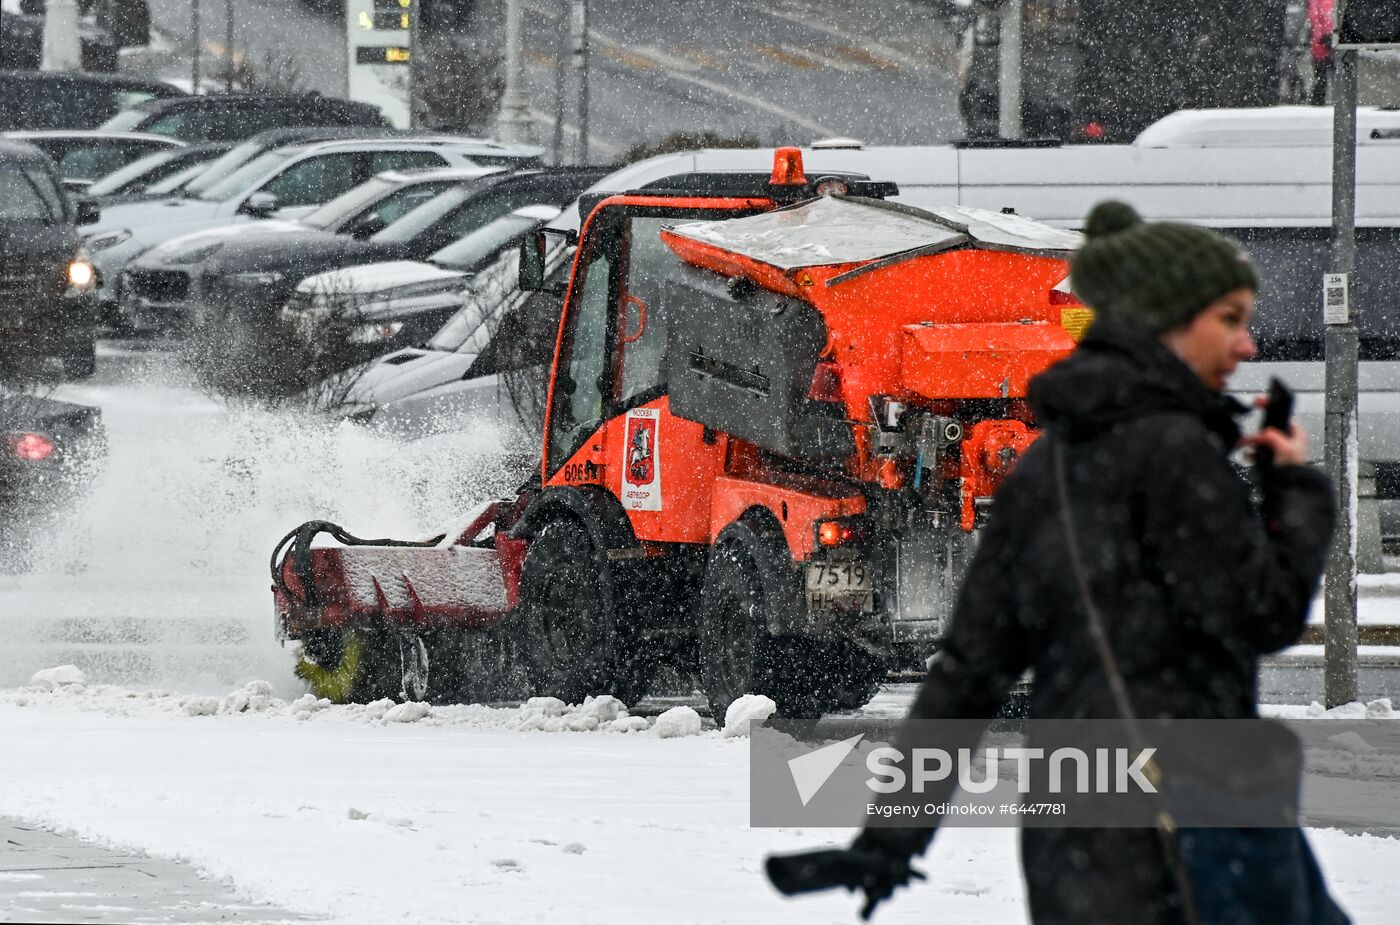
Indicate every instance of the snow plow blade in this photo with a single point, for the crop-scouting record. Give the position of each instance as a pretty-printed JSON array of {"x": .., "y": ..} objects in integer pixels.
[{"x": 322, "y": 576}]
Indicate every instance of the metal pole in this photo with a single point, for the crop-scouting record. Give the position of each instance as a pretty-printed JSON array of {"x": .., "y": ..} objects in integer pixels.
[
  {"x": 194, "y": 58},
  {"x": 513, "y": 124},
  {"x": 1009, "y": 83},
  {"x": 1342, "y": 346},
  {"x": 414, "y": 53},
  {"x": 228, "y": 45},
  {"x": 580, "y": 34},
  {"x": 557, "y": 145}
]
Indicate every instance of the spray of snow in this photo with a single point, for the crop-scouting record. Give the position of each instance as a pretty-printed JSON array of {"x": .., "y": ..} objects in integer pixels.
[{"x": 158, "y": 574}]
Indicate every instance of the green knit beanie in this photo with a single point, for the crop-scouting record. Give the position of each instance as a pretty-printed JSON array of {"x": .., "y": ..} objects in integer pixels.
[{"x": 1156, "y": 274}]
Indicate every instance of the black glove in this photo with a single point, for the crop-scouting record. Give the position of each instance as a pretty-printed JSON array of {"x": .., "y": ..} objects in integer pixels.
[
  {"x": 884, "y": 863},
  {"x": 876, "y": 866}
]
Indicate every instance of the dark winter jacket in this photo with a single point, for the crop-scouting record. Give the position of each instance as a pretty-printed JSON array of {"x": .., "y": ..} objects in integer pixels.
[{"x": 1193, "y": 583}]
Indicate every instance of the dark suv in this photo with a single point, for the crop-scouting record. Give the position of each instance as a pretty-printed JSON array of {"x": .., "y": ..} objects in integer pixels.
[
  {"x": 68, "y": 100},
  {"x": 46, "y": 303},
  {"x": 235, "y": 116}
]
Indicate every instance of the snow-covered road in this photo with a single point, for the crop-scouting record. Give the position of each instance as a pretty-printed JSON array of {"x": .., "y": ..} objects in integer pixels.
[
  {"x": 464, "y": 816},
  {"x": 157, "y": 588}
]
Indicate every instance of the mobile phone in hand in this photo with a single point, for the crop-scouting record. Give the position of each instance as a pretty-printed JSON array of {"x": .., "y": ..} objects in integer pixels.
[{"x": 1278, "y": 412}]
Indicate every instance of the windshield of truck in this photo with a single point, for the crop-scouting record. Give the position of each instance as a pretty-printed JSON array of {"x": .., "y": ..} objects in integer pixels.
[
  {"x": 242, "y": 179},
  {"x": 28, "y": 194}
]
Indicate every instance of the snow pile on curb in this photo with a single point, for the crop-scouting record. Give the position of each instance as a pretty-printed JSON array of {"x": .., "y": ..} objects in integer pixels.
[
  {"x": 677, "y": 722},
  {"x": 54, "y": 678},
  {"x": 748, "y": 711},
  {"x": 66, "y": 685}
]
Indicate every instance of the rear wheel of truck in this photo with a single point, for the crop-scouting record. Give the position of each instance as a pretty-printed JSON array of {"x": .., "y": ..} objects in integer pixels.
[
  {"x": 569, "y": 634},
  {"x": 353, "y": 665},
  {"x": 737, "y": 654}
]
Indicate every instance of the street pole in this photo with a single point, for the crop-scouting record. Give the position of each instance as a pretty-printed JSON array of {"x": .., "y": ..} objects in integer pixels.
[
  {"x": 61, "y": 47},
  {"x": 580, "y": 35},
  {"x": 1342, "y": 352},
  {"x": 414, "y": 62},
  {"x": 228, "y": 46},
  {"x": 513, "y": 124},
  {"x": 194, "y": 56},
  {"x": 557, "y": 142},
  {"x": 1009, "y": 83}
]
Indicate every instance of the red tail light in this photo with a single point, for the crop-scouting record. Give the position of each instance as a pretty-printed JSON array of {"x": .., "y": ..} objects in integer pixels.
[
  {"x": 826, "y": 382},
  {"x": 31, "y": 447},
  {"x": 1094, "y": 131}
]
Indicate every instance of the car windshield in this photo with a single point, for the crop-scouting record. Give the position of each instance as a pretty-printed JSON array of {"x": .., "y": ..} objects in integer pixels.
[
  {"x": 349, "y": 203},
  {"x": 118, "y": 180},
  {"x": 124, "y": 121},
  {"x": 241, "y": 179},
  {"x": 178, "y": 180},
  {"x": 474, "y": 249},
  {"x": 468, "y": 331},
  {"x": 422, "y": 218},
  {"x": 235, "y": 158},
  {"x": 28, "y": 194}
]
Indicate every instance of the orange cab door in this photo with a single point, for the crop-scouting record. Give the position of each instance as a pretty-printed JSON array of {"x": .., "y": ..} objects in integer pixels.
[{"x": 609, "y": 422}]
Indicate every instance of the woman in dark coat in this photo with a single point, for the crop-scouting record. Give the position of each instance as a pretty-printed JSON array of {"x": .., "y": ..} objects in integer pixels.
[{"x": 1192, "y": 582}]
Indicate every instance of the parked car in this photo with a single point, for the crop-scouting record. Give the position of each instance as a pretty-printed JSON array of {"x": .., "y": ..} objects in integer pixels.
[
  {"x": 175, "y": 186},
  {"x": 285, "y": 182},
  {"x": 134, "y": 179},
  {"x": 236, "y": 116},
  {"x": 358, "y": 313},
  {"x": 67, "y": 100},
  {"x": 255, "y": 276},
  {"x": 486, "y": 368},
  {"x": 259, "y": 263},
  {"x": 86, "y": 155},
  {"x": 48, "y": 452},
  {"x": 46, "y": 306}
]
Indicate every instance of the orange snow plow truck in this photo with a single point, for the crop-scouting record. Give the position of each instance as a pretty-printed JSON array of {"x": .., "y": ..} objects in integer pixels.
[{"x": 778, "y": 410}]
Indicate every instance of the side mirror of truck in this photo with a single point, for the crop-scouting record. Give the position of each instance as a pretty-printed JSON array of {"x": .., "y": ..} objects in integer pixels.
[
  {"x": 533, "y": 253},
  {"x": 87, "y": 211}
]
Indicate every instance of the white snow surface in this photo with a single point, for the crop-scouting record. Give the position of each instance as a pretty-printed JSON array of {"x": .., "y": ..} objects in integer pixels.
[
  {"x": 144, "y": 704},
  {"x": 465, "y": 815}
]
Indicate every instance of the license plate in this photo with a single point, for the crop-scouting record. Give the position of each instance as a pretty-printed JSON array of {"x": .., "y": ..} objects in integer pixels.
[{"x": 841, "y": 585}]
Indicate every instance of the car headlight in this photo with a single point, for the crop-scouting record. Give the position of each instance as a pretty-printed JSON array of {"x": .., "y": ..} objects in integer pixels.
[
  {"x": 106, "y": 240},
  {"x": 374, "y": 333},
  {"x": 254, "y": 279},
  {"x": 81, "y": 275}
]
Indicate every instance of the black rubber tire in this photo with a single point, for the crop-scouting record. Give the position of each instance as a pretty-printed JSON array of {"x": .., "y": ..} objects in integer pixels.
[
  {"x": 733, "y": 628},
  {"x": 805, "y": 677},
  {"x": 568, "y": 632}
]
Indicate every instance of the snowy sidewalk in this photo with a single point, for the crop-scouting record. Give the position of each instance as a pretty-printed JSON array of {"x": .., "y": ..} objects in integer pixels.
[{"x": 49, "y": 878}]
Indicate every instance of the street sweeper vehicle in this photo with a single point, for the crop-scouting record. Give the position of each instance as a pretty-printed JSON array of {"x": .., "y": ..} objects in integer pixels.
[{"x": 778, "y": 409}]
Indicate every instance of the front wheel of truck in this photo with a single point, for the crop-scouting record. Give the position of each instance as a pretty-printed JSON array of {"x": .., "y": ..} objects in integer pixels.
[{"x": 570, "y": 633}]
